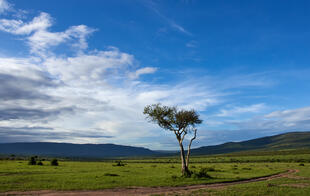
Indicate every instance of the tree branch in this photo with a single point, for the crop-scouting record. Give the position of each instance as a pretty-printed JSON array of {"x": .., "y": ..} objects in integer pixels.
[
  {"x": 183, "y": 136},
  {"x": 189, "y": 146}
]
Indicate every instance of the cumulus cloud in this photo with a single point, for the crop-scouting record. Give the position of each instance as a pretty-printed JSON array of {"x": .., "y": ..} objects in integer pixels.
[
  {"x": 18, "y": 27},
  {"x": 4, "y": 6},
  {"x": 96, "y": 66},
  {"x": 40, "y": 38},
  {"x": 90, "y": 94}
]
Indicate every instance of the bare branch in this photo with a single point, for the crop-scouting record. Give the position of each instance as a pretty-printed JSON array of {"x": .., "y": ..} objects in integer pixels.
[
  {"x": 184, "y": 133},
  {"x": 189, "y": 146}
]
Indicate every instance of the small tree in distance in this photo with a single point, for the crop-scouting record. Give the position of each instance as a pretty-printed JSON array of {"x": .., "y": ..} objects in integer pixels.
[
  {"x": 181, "y": 122},
  {"x": 54, "y": 162}
]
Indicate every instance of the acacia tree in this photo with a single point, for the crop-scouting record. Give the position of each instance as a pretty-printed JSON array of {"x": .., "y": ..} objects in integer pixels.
[{"x": 181, "y": 122}]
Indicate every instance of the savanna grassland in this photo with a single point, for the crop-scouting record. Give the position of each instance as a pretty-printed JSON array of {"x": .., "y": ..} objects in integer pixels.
[
  {"x": 291, "y": 185},
  {"x": 17, "y": 175}
]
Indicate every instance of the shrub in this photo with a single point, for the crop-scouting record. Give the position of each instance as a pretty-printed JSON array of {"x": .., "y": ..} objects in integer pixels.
[
  {"x": 119, "y": 163},
  {"x": 301, "y": 164},
  {"x": 54, "y": 162},
  {"x": 40, "y": 163},
  {"x": 109, "y": 174},
  {"x": 32, "y": 161},
  {"x": 187, "y": 175},
  {"x": 202, "y": 173}
]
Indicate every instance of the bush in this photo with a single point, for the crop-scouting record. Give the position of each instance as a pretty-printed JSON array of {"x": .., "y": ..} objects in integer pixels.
[
  {"x": 40, "y": 163},
  {"x": 301, "y": 164},
  {"x": 110, "y": 174},
  {"x": 119, "y": 163},
  {"x": 202, "y": 173},
  {"x": 54, "y": 162},
  {"x": 32, "y": 161}
]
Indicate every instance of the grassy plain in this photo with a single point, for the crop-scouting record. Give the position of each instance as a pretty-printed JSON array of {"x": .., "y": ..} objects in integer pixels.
[
  {"x": 293, "y": 185},
  {"x": 16, "y": 175}
]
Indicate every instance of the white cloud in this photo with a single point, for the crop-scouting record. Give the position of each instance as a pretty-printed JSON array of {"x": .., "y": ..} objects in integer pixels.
[
  {"x": 18, "y": 27},
  {"x": 152, "y": 5},
  {"x": 95, "y": 67},
  {"x": 4, "y": 6},
  {"x": 299, "y": 114},
  {"x": 40, "y": 38},
  {"x": 235, "y": 111},
  {"x": 141, "y": 71},
  {"x": 278, "y": 121}
]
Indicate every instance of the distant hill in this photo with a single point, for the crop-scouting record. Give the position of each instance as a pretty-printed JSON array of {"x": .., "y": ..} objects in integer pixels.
[
  {"x": 293, "y": 140},
  {"x": 74, "y": 150}
]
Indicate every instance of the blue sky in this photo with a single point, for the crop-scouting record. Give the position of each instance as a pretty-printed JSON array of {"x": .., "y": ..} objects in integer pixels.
[{"x": 82, "y": 71}]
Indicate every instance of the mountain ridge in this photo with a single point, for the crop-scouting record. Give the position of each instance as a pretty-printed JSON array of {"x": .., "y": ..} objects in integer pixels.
[
  {"x": 291, "y": 140},
  {"x": 74, "y": 150}
]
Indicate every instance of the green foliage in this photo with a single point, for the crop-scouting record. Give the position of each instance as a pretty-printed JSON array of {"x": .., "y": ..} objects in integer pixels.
[
  {"x": 39, "y": 163},
  {"x": 172, "y": 118},
  {"x": 32, "y": 161},
  {"x": 119, "y": 163},
  {"x": 54, "y": 162},
  {"x": 179, "y": 121}
]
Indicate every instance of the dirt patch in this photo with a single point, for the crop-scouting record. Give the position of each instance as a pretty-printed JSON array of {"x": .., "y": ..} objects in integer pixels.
[{"x": 148, "y": 190}]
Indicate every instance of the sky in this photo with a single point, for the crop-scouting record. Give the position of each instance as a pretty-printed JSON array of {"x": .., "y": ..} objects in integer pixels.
[{"x": 82, "y": 71}]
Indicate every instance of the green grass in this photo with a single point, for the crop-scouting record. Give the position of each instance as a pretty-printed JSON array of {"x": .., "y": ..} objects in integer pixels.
[
  {"x": 232, "y": 158},
  {"x": 16, "y": 175},
  {"x": 296, "y": 184}
]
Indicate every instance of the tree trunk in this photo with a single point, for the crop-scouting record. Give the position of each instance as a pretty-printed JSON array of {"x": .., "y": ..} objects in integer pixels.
[
  {"x": 189, "y": 148},
  {"x": 185, "y": 170}
]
